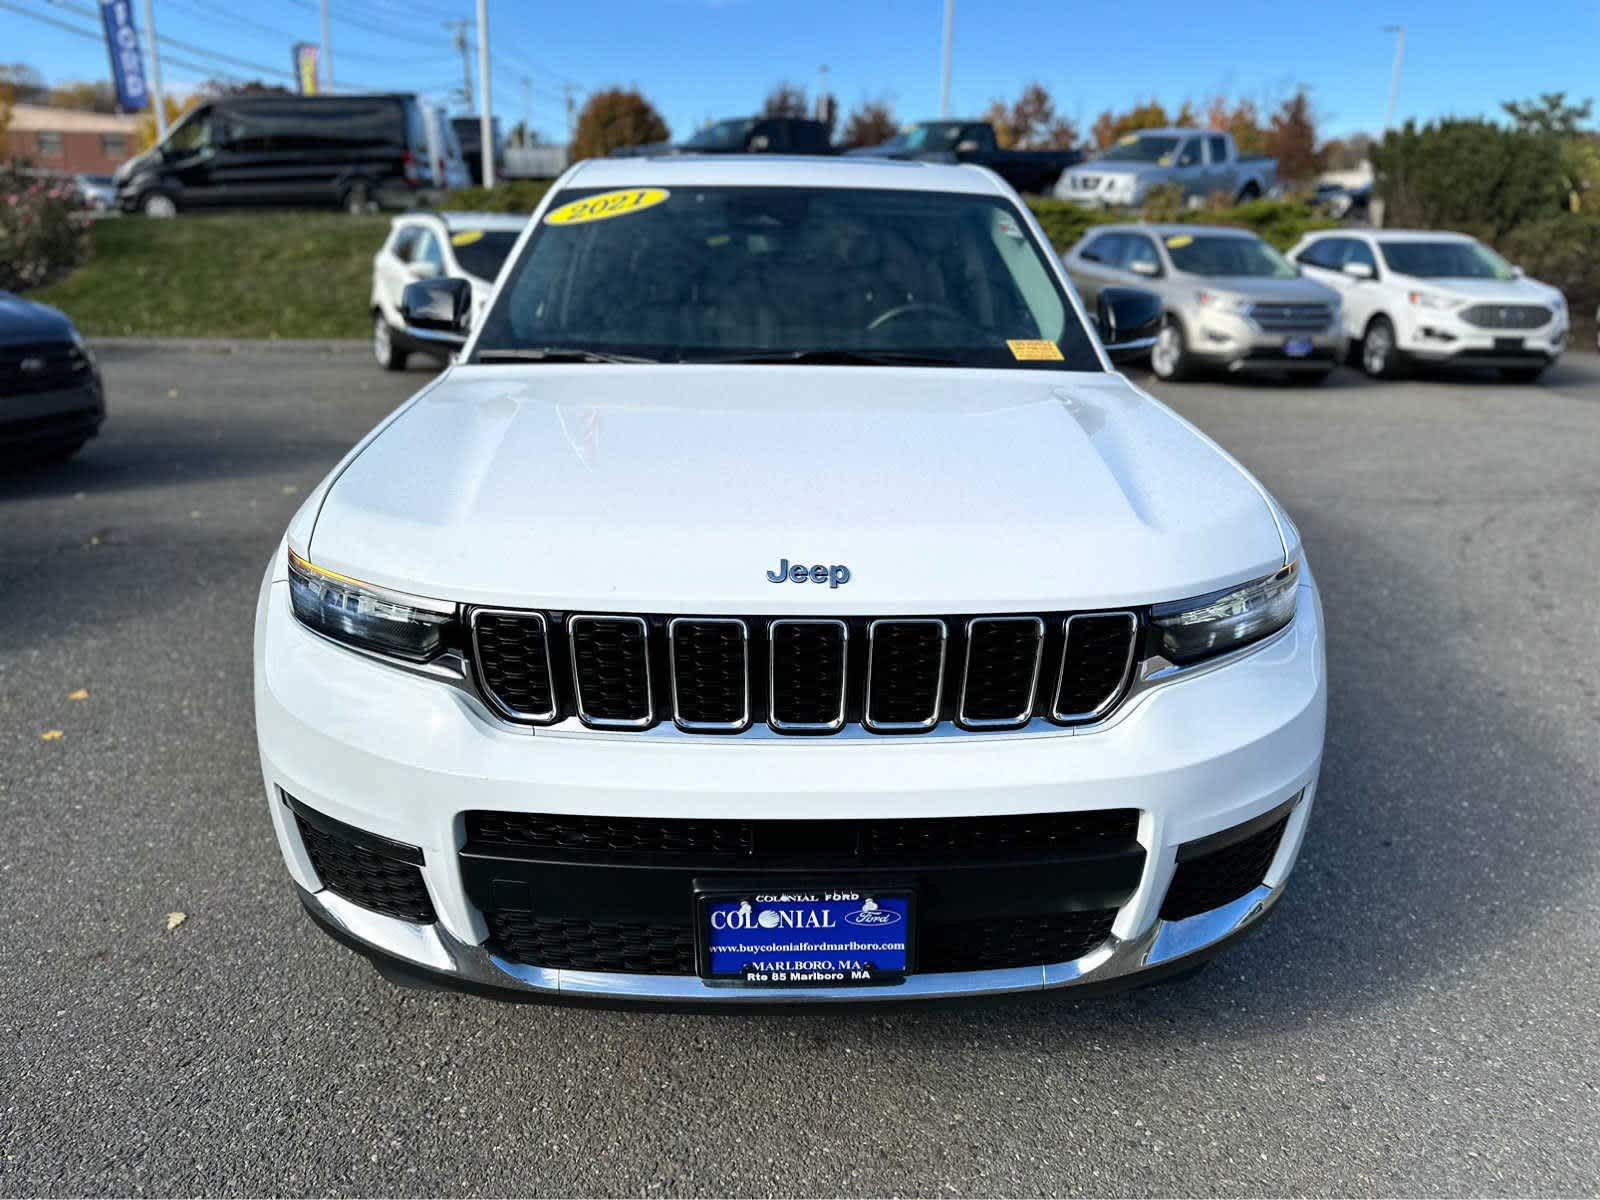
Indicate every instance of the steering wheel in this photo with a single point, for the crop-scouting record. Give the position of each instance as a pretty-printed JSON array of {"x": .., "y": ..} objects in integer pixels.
[{"x": 905, "y": 310}]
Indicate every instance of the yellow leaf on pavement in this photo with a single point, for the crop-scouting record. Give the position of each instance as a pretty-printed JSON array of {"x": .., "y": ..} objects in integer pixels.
[
  {"x": 80, "y": 694},
  {"x": 174, "y": 919},
  {"x": 51, "y": 735}
]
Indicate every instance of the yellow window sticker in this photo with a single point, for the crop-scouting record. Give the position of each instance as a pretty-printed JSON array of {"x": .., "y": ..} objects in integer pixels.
[
  {"x": 466, "y": 237},
  {"x": 1034, "y": 350},
  {"x": 1178, "y": 241},
  {"x": 1129, "y": 140},
  {"x": 606, "y": 205}
]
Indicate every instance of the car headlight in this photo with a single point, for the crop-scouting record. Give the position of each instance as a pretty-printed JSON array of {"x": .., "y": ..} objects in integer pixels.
[
  {"x": 1222, "y": 302},
  {"x": 370, "y": 617},
  {"x": 83, "y": 347},
  {"x": 1431, "y": 300},
  {"x": 1189, "y": 630}
]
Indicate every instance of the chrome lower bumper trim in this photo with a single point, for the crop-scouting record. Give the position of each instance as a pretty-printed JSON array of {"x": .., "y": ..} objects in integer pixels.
[{"x": 432, "y": 948}]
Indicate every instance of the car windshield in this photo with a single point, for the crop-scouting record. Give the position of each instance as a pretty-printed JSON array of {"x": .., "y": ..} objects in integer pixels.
[
  {"x": 1138, "y": 148},
  {"x": 934, "y": 135},
  {"x": 785, "y": 274},
  {"x": 1218, "y": 255},
  {"x": 1446, "y": 260},
  {"x": 721, "y": 136},
  {"x": 481, "y": 252}
]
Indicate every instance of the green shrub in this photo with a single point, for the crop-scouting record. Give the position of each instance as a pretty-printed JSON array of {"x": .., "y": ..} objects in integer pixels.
[
  {"x": 1281, "y": 222},
  {"x": 1563, "y": 251},
  {"x": 43, "y": 233},
  {"x": 507, "y": 196},
  {"x": 1064, "y": 222}
]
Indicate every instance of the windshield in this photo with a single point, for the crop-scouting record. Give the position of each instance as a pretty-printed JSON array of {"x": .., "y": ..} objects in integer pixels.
[
  {"x": 482, "y": 251},
  {"x": 719, "y": 273},
  {"x": 1135, "y": 148},
  {"x": 721, "y": 136},
  {"x": 1446, "y": 260},
  {"x": 934, "y": 135},
  {"x": 1225, "y": 255}
]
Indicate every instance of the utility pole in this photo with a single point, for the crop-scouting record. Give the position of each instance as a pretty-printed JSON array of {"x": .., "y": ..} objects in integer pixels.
[
  {"x": 527, "y": 109},
  {"x": 1394, "y": 77},
  {"x": 944, "y": 75},
  {"x": 158, "y": 98},
  {"x": 326, "y": 56},
  {"x": 460, "y": 43},
  {"x": 485, "y": 119},
  {"x": 572, "y": 111}
]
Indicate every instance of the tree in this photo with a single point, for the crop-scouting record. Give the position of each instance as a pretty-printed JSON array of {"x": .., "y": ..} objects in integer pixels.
[
  {"x": 97, "y": 96},
  {"x": 1110, "y": 127},
  {"x": 7, "y": 102},
  {"x": 249, "y": 87},
  {"x": 870, "y": 123},
  {"x": 176, "y": 106},
  {"x": 1345, "y": 154},
  {"x": 1551, "y": 117},
  {"x": 615, "y": 118},
  {"x": 1031, "y": 123},
  {"x": 1187, "y": 117},
  {"x": 1549, "y": 114},
  {"x": 1292, "y": 139},
  {"x": 786, "y": 100}
]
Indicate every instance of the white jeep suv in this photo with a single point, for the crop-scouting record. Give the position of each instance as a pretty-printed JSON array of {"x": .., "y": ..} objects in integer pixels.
[{"x": 782, "y": 598}]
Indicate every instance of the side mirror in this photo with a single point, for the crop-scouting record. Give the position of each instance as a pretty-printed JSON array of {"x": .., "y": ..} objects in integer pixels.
[
  {"x": 1359, "y": 270},
  {"x": 1518, "y": 272},
  {"x": 759, "y": 143},
  {"x": 438, "y": 310},
  {"x": 1145, "y": 267},
  {"x": 422, "y": 270},
  {"x": 1128, "y": 320}
]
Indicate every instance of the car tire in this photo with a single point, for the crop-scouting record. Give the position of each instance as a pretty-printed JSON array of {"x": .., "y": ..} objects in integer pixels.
[
  {"x": 1380, "y": 353},
  {"x": 1522, "y": 374},
  {"x": 1250, "y": 191},
  {"x": 356, "y": 199},
  {"x": 158, "y": 205},
  {"x": 1169, "y": 357},
  {"x": 384, "y": 348}
]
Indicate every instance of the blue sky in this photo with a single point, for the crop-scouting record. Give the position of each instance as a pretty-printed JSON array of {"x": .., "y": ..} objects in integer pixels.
[{"x": 698, "y": 59}]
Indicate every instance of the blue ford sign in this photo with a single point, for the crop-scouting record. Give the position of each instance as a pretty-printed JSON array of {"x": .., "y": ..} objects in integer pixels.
[{"x": 127, "y": 62}]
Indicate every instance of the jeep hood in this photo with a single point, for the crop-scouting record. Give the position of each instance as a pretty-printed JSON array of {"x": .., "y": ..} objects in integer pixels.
[{"x": 678, "y": 488}]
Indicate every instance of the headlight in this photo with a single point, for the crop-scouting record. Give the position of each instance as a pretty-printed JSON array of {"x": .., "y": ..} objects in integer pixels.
[
  {"x": 83, "y": 347},
  {"x": 1223, "y": 302},
  {"x": 1193, "y": 629},
  {"x": 1431, "y": 300},
  {"x": 372, "y": 618}
]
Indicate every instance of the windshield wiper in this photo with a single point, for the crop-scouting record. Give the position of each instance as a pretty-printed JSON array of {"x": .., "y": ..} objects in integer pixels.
[
  {"x": 870, "y": 358},
  {"x": 560, "y": 354}
]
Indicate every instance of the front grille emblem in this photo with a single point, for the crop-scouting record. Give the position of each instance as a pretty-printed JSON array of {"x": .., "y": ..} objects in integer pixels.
[{"x": 834, "y": 576}]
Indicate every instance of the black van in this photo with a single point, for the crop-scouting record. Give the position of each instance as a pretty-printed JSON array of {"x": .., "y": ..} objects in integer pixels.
[{"x": 350, "y": 151}]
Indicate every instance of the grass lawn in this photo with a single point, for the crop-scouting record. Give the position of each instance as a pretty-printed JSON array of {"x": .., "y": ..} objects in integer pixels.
[{"x": 249, "y": 274}]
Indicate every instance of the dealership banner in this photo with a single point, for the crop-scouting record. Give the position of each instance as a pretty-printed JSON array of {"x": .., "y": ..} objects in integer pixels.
[
  {"x": 305, "y": 67},
  {"x": 127, "y": 60}
]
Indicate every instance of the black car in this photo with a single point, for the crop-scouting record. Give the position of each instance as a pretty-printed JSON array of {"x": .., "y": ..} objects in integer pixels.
[
  {"x": 746, "y": 135},
  {"x": 1034, "y": 171},
  {"x": 469, "y": 132},
  {"x": 51, "y": 397},
  {"x": 350, "y": 151}
]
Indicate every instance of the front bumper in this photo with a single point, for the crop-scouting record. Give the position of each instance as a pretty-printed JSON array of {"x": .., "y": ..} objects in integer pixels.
[
  {"x": 1440, "y": 338},
  {"x": 406, "y": 758},
  {"x": 1238, "y": 345},
  {"x": 38, "y": 422}
]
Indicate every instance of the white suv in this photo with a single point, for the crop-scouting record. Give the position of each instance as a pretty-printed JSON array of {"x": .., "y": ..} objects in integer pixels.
[
  {"x": 781, "y": 597},
  {"x": 1436, "y": 298}
]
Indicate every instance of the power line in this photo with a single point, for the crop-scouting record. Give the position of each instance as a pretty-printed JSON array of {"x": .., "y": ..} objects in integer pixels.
[
  {"x": 189, "y": 47},
  {"x": 98, "y": 36},
  {"x": 357, "y": 23}
]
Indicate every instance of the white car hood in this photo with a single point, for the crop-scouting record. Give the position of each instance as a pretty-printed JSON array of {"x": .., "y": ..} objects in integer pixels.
[
  {"x": 1488, "y": 291},
  {"x": 676, "y": 489}
]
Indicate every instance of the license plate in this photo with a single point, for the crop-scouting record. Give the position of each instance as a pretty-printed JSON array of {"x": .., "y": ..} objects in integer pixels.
[
  {"x": 816, "y": 938},
  {"x": 1298, "y": 347},
  {"x": 1504, "y": 344}
]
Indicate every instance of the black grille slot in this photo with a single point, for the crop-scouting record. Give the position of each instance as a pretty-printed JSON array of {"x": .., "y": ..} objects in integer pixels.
[
  {"x": 1030, "y": 836},
  {"x": 611, "y": 836},
  {"x": 905, "y": 673},
  {"x": 1002, "y": 670},
  {"x": 1096, "y": 660},
  {"x": 611, "y": 667},
  {"x": 987, "y": 945},
  {"x": 633, "y": 948},
  {"x": 710, "y": 673},
  {"x": 43, "y": 367},
  {"x": 1506, "y": 316},
  {"x": 513, "y": 651},
  {"x": 807, "y": 675},
  {"x": 364, "y": 868},
  {"x": 1210, "y": 879}
]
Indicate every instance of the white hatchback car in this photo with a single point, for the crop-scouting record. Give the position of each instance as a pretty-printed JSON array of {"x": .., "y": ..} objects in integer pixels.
[
  {"x": 427, "y": 245},
  {"x": 1438, "y": 299}
]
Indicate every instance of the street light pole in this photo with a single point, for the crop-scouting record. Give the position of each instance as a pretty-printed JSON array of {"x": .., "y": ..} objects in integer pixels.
[
  {"x": 485, "y": 118},
  {"x": 944, "y": 74},
  {"x": 326, "y": 56},
  {"x": 1394, "y": 77},
  {"x": 158, "y": 99}
]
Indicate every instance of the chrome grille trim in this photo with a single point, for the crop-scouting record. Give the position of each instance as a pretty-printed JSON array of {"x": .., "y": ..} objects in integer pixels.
[
  {"x": 1288, "y": 317},
  {"x": 938, "y": 693},
  {"x": 602, "y": 722},
  {"x": 772, "y": 675},
  {"x": 743, "y": 722},
  {"x": 520, "y": 614},
  {"x": 1507, "y": 316},
  {"x": 1111, "y": 700},
  {"x": 1026, "y": 714}
]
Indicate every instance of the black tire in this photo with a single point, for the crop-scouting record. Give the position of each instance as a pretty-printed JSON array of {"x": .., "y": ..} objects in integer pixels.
[
  {"x": 356, "y": 199},
  {"x": 1170, "y": 358},
  {"x": 158, "y": 205},
  {"x": 390, "y": 356},
  {"x": 1250, "y": 191},
  {"x": 1522, "y": 374},
  {"x": 1380, "y": 353}
]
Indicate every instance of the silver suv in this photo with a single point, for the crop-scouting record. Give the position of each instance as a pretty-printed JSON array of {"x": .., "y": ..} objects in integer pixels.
[{"x": 1232, "y": 301}]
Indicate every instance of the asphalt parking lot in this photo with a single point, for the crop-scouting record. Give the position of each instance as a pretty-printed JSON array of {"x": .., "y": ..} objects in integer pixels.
[{"x": 1421, "y": 1016}]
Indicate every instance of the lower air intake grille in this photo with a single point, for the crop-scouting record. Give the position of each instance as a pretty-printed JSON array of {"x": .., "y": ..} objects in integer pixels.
[
  {"x": 631, "y": 948},
  {"x": 1013, "y": 941},
  {"x": 1213, "y": 878},
  {"x": 365, "y": 869}
]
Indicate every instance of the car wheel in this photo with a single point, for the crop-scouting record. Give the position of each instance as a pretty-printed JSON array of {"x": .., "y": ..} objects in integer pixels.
[
  {"x": 159, "y": 205},
  {"x": 1380, "y": 356},
  {"x": 1522, "y": 374},
  {"x": 1169, "y": 358},
  {"x": 390, "y": 357},
  {"x": 357, "y": 200},
  {"x": 1249, "y": 192}
]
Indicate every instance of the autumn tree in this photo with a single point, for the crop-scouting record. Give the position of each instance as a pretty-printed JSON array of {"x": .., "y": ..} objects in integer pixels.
[
  {"x": 786, "y": 100},
  {"x": 97, "y": 96},
  {"x": 870, "y": 123},
  {"x": 615, "y": 118},
  {"x": 1292, "y": 139},
  {"x": 176, "y": 107},
  {"x": 1110, "y": 127},
  {"x": 1031, "y": 123}
]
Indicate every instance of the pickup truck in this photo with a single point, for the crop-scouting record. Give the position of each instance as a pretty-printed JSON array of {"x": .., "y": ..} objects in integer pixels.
[
  {"x": 975, "y": 142},
  {"x": 1203, "y": 162}
]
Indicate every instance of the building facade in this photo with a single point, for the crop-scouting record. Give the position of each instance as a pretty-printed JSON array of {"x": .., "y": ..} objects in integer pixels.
[{"x": 71, "y": 141}]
